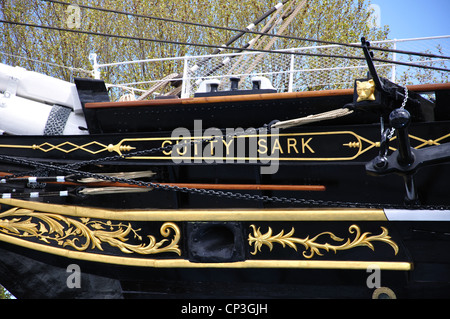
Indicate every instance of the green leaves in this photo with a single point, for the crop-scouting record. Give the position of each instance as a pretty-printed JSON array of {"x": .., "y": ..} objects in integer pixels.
[
  {"x": 336, "y": 20},
  {"x": 5, "y": 294}
]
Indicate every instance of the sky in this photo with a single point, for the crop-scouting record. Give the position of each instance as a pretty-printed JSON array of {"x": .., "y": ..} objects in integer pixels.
[{"x": 415, "y": 18}]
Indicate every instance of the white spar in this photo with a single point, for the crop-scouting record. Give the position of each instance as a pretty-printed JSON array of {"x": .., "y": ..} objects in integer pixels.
[
  {"x": 27, "y": 99},
  {"x": 20, "y": 116}
]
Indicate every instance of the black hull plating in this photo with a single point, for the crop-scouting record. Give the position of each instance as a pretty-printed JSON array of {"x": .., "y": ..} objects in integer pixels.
[
  {"x": 47, "y": 276},
  {"x": 332, "y": 156},
  {"x": 195, "y": 244}
]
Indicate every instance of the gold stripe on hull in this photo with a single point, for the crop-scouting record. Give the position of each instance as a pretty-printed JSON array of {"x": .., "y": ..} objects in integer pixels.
[
  {"x": 285, "y": 214},
  {"x": 202, "y": 215},
  {"x": 183, "y": 263}
]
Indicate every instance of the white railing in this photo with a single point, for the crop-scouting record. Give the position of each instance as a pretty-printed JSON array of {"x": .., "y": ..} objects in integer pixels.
[{"x": 297, "y": 72}]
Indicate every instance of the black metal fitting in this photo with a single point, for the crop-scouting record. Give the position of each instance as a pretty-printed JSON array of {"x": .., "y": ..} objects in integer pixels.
[
  {"x": 212, "y": 242},
  {"x": 234, "y": 83},
  {"x": 400, "y": 120}
]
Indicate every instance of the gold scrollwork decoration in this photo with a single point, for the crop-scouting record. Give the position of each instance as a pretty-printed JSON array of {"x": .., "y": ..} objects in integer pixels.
[
  {"x": 312, "y": 246},
  {"x": 85, "y": 233}
]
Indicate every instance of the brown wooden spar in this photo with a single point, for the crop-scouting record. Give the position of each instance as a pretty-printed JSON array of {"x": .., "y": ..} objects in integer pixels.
[
  {"x": 251, "y": 187},
  {"x": 248, "y": 187},
  {"x": 253, "y": 97},
  {"x": 219, "y": 99},
  {"x": 98, "y": 183}
]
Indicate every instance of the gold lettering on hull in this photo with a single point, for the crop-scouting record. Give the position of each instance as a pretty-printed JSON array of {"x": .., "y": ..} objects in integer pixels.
[
  {"x": 292, "y": 146},
  {"x": 312, "y": 146}
]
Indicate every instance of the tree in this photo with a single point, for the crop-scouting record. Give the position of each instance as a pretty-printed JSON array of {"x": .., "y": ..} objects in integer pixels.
[
  {"x": 4, "y": 294},
  {"x": 335, "y": 20},
  {"x": 413, "y": 75}
]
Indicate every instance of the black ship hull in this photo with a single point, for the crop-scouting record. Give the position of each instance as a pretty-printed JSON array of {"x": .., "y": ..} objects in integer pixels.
[
  {"x": 208, "y": 222},
  {"x": 309, "y": 253}
]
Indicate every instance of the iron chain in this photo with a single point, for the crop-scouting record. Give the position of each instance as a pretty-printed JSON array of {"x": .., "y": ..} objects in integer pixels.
[
  {"x": 72, "y": 169},
  {"x": 222, "y": 194}
]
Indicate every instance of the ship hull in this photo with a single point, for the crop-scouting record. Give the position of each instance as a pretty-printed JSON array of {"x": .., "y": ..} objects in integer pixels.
[
  {"x": 332, "y": 157},
  {"x": 223, "y": 218},
  {"x": 247, "y": 253}
]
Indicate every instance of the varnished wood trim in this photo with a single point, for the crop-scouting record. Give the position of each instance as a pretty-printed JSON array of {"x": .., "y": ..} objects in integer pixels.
[{"x": 254, "y": 97}]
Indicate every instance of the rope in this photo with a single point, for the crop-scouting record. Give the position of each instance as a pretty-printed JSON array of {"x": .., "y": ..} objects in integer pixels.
[
  {"x": 175, "y": 91},
  {"x": 279, "y": 32},
  {"x": 248, "y": 30},
  {"x": 336, "y": 56},
  {"x": 254, "y": 43},
  {"x": 313, "y": 118},
  {"x": 48, "y": 63},
  {"x": 160, "y": 85},
  {"x": 221, "y": 194}
]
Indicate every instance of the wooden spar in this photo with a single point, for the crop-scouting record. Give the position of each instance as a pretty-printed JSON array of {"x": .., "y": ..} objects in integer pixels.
[
  {"x": 254, "y": 97},
  {"x": 268, "y": 187},
  {"x": 248, "y": 187},
  {"x": 218, "y": 99}
]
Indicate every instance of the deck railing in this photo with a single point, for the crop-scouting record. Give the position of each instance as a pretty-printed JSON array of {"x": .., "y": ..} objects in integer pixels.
[
  {"x": 299, "y": 71},
  {"x": 288, "y": 72}
]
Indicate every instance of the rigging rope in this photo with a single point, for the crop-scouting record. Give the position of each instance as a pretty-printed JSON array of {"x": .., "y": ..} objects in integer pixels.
[
  {"x": 250, "y": 31},
  {"x": 284, "y": 124},
  {"x": 283, "y": 27},
  {"x": 220, "y": 46},
  {"x": 251, "y": 44},
  {"x": 313, "y": 118},
  {"x": 216, "y": 193},
  {"x": 161, "y": 85},
  {"x": 49, "y": 63},
  {"x": 70, "y": 169}
]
